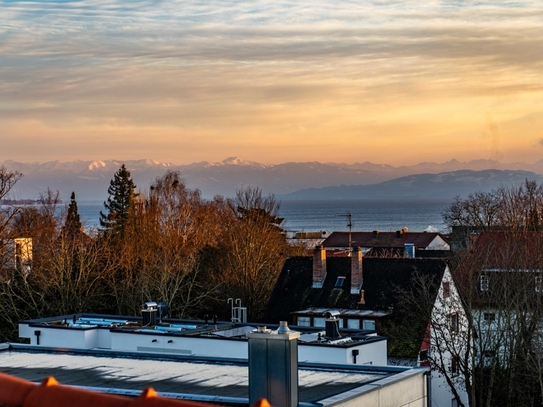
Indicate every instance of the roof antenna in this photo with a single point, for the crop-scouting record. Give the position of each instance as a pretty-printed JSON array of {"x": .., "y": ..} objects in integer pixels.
[{"x": 350, "y": 226}]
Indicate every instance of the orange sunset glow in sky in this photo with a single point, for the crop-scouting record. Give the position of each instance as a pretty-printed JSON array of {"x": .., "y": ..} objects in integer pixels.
[{"x": 396, "y": 82}]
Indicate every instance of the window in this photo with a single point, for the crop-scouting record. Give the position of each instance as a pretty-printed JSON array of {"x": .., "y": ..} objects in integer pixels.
[
  {"x": 446, "y": 289},
  {"x": 488, "y": 358},
  {"x": 489, "y": 316},
  {"x": 353, "y": 323},
  {"x": 423, "y": 358},
  {"x": 454, "y": 322},
  {"x": 303, "y": 321},
  {"x": 454, "y": 366},
  {"x": 18, "y": 255},
  {"x": 484, "y": 283},
  {"x": 339, "y": 282},
  {"x": 368, "y": 324},
  {"x": 319, "y": 322},
  {"x": 538, "y": 284}
]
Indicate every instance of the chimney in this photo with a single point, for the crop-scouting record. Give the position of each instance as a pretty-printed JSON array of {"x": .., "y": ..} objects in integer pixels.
[
  {"x": 362, "y": 300},
  {"x": 357, "y": 277},
  {"x": 319, "y": 266},
  {"x": 273, "y": 366}
]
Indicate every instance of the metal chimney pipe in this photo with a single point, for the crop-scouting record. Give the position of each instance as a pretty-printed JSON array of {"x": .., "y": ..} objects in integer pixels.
[{"x": 273, "y": 367}]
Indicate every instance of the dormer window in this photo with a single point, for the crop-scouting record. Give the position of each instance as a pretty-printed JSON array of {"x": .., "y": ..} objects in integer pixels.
[{"x": 484, "y": 283}]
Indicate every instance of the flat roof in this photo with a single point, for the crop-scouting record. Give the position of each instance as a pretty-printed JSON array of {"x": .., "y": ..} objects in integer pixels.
[
  {"x": 342, "y": 312},
  {"x": 197, "y": 328},
  {"x": 176, "y": 376}
]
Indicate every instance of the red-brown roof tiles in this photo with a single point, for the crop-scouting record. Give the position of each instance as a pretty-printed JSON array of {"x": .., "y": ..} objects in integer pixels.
[
  {"x": 15, "y": 392},
  {"x": 421, "y": 240}
]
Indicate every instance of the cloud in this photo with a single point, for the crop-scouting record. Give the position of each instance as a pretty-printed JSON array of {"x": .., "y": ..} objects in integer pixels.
[{"x": 241, "y": 67}]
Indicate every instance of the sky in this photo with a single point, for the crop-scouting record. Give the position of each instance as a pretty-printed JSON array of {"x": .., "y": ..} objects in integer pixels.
[{"x": 395, "y": 82}]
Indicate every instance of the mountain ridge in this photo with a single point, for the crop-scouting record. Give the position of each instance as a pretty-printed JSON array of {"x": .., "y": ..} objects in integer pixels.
[
  {"x": 444, "y": 185},
  {"x": 90, "y": 178}
]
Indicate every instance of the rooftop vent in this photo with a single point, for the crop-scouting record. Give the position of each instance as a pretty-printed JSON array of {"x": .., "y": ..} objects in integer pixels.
[
  {"x": 332, "y": 324},
  {"x": 148, "y": 313},
  {"x": 283, "y": 328}
]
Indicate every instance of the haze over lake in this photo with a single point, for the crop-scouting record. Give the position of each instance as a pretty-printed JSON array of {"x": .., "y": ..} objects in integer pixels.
[{"x": 366, "y": 215}]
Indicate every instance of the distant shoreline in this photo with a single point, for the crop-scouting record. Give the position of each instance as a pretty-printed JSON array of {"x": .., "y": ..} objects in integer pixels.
[{"x": 21, "y": 201}]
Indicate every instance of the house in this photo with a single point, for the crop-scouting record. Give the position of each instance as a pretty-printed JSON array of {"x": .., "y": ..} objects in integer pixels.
[
  {"x": 486, "y": 334},
  {"x": 308, "y": 240},
  {"x": 365, "y": 292},
  {"x": 395, "y": 296},
  {"x": 401, "y": 242},
  {"x": 16, "y": 254}
]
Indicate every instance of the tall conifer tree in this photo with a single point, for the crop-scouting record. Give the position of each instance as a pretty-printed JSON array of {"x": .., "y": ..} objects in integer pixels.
[
  {"x": 72, "y": 224},
  {"x": 120, "y": 203}
]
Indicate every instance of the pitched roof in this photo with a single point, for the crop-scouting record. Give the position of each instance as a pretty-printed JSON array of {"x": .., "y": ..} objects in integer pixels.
[
  {"x": 401, "y": 252},
  {"x": 517, "y": 249},
  {"x": 511, "y": 264},
  {"x": 384, "y": 281},
  {"x": 421, "y": 240}
]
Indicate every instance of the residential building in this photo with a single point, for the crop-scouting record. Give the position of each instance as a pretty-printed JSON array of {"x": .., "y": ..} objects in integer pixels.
[
  {"x": 16, "y": 253},
  {"x": 401, "y": 243},
  {"x": 366, "y": 293}
]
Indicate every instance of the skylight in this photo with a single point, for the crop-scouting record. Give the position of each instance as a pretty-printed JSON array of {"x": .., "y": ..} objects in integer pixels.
[{"x": 339, "y": 282}]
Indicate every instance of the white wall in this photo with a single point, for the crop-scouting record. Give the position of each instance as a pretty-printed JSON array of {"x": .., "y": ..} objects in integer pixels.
[
  {"x": 369, "y": 353},
  {"x": 441, "y": 394},
  {"x": 374, "y": 353},
  {"x": 438, "y": 244},
  {"x": 62, "y": 338},
  {"x": 160, "y": 343},
  {"x": 408, "y": 388}
]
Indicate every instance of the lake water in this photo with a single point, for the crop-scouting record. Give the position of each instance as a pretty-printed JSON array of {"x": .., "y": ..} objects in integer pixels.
[{"x": 311, "y": 216}]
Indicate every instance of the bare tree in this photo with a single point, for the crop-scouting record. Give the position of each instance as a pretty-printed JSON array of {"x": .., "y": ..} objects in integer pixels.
[
  {"x": 8, "y": 179},
  {"x": 73, "y": 275},
  {"x": 158, "y": 257},
  {"x": 479, "y": 211},
  {"x": 254, "y": 249},
  {"x": 484, "y": 330},
  {"x": 515, "y": 208}
]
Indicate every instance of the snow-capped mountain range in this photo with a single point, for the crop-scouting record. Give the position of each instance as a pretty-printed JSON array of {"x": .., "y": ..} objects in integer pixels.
[{"x": 90, "y": 179}]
